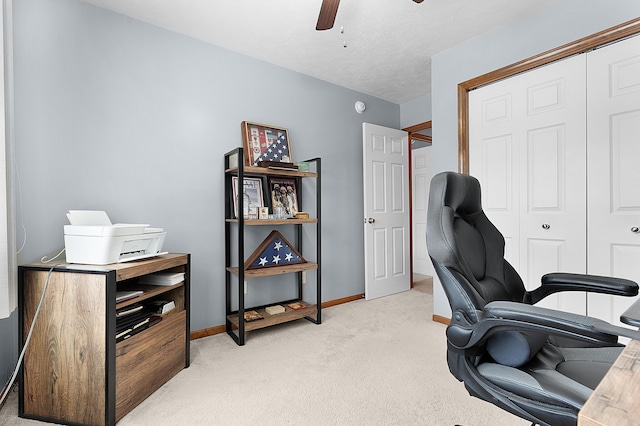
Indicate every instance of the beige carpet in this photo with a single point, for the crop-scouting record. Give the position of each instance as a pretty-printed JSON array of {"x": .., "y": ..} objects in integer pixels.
[
  {"x": 422, "y": 283},
  {"x": 379, "y": 362}
]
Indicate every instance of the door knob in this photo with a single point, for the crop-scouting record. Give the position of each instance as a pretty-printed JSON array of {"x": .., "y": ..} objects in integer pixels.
[
  {"x": 546, "y": 226},
  {"x": 635, "y": 230},
  {"x": 371, "y": 220}
]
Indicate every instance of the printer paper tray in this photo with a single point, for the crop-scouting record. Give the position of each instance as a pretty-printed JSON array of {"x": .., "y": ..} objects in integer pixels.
[{"x": 140, "y": 256}]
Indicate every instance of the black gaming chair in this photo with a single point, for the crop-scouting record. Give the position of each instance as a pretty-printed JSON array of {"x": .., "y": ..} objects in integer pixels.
[{"x": 539, "y": 364}]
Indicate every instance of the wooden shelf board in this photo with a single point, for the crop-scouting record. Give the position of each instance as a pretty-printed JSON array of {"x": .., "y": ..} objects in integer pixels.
[
  {"x": 275, "y": 270},
  {"x": 138, "y": 268},
  {"x": 124, "y": 270},
  {"x": 262, "y": 222},
  {"x": 253, "y": 170},
  {"x": 269, "y": 320},
  {"x": 149, "y": 292}
]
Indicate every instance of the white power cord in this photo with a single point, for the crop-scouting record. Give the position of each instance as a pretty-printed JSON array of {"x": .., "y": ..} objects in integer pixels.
[
  {"x": 26, "y": 343},
  {"x": 45, "y": 260}
]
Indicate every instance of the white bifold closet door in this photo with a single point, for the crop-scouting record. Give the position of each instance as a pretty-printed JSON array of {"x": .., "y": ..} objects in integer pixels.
[
  {"x": 613, "y": 164},
  {"x": 527, "y": 150},
  {"x": 556, "y": 151}
]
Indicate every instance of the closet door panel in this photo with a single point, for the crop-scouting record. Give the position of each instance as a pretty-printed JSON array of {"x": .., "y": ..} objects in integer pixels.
[
  {"x": 553, "y": 191},
  {"x": 614, "y": 170},
  {"x": 527, "y": 149},
  {"x": 491, "y": 162},
  {"x": 548, "y": 218},
  {"x": 498, "y": 197}
]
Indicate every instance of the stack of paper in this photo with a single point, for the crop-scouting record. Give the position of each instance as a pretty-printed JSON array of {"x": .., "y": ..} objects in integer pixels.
[
  {"x": 162, "y": 306},
  {"x": 162, "y": 278}
]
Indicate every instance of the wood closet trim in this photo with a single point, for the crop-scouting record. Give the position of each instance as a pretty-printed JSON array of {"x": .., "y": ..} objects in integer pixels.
[
  {"x": 582, "y": 45},
  {"x": 414, "y": 132}
]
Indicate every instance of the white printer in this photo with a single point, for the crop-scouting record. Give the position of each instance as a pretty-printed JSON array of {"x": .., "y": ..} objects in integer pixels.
[{"x": 92, "y": 239}]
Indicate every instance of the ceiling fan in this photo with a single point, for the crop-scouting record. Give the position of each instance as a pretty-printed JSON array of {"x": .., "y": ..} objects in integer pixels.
[{"x": 328, "y": 12}]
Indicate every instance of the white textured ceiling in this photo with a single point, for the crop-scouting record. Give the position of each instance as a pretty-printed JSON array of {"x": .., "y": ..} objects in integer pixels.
[{"x": 389, "y": 43}]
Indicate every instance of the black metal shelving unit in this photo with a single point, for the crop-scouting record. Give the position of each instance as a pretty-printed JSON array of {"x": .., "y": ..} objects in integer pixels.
[{"x": 235, "y": 229}]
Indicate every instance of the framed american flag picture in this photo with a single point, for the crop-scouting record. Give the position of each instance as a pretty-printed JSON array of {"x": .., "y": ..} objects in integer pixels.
[{"x": 265, "y": 143}]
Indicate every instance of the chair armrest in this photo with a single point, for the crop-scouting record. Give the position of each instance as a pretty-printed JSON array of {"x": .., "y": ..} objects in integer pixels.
[
  {"x": 503, "y": 316},
  {"x": 557, "y": 282},
  {"x": 632, "y": 315}
]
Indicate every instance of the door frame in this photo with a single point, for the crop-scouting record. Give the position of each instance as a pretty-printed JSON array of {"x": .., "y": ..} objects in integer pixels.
[
  {"x": 599, "y": 39},
  {"x": 414, "y": 134}
]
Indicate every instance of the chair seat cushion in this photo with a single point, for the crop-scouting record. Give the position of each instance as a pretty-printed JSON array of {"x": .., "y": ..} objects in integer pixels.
[
  {"x": 554, "y": 374},
  {"x": 546, "y": 386},
  {"x": 587, "y": 365}
]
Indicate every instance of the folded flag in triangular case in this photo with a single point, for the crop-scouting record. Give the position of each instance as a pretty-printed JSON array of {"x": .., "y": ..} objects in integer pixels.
[{"x": 275, "y": 250}]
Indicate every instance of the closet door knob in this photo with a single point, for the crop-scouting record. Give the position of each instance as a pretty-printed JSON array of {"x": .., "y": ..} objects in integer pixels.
[
  {"x": 546, "y": 226},
  {"x": 635, "y": 230}
]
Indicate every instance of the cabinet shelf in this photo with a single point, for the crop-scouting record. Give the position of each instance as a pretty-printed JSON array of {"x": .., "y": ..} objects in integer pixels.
[{"x": 150, "y": 291}]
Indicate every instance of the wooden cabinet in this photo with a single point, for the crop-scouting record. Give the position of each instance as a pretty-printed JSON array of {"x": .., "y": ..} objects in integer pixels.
[
  {"x": 74, "y": 372},
  {"x": 237, "y": 228}
]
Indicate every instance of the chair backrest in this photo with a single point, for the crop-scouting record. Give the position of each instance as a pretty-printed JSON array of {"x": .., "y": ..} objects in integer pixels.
[{"x": 467, "y": 250}]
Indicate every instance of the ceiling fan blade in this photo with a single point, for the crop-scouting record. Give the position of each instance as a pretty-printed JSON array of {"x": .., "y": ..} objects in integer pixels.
[{"x": 327, "y": 16}]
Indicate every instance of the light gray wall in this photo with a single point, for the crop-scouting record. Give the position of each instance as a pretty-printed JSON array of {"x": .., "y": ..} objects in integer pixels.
[
  {"x": 558, "y": 25},
  {"x": 415, "y": 111},
  {"x": 114, "y": 114}
]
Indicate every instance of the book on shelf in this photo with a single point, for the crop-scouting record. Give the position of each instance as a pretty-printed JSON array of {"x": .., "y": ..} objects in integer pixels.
[
  {"x": 252, "y": 316},
  {"x": 275, "y": 309},
  {"x": 131, "y": 328},
  {"x": 128, "y": 333},
  {"x": 143, "y": 323},
  {"x": 122, "y": 334},
  {"x": 162, "y": 278},
  {"x": 127, "y": 294},
  {"x": 132, "y": 321},
  {"x": 128, "y": 310},
  {"x": 278, "y": 165},
  {"x": 296, "y": 306}
]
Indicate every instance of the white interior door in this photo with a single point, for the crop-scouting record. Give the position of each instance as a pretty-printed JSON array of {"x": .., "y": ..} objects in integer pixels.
[
  {"x": 527, "y": 150},
  {"x": 614, "y": 173},
  {"x": 386, "y": 211},
  {"x": 421, "y": 175}
]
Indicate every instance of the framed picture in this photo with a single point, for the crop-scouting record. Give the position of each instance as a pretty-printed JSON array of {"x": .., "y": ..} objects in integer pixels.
[
  {"x": 284, "y": 192},
  {"x": 254, "y": 195},
  {"x": 265, "y": 143},
  {"x": 264, "y": 213}
]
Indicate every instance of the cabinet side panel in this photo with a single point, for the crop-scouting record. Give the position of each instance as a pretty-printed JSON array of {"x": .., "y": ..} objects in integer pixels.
[
  {"x": 64, "y": 365},
  {"x": 148, "y": 360}
]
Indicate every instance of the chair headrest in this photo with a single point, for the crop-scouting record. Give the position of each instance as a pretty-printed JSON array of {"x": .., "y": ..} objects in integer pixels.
[
  {"x": 451, "y": 194},
  {"x": 460, "y": 192}
]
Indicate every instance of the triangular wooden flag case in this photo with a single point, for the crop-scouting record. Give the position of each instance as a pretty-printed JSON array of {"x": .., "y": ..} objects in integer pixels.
[{"x": 275, "y": 250}]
